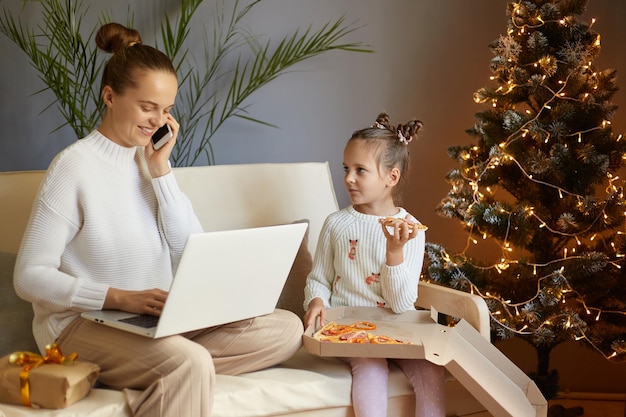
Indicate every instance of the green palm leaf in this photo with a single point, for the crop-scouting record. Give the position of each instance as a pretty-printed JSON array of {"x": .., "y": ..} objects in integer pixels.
[{"x": 211, "y": 89}]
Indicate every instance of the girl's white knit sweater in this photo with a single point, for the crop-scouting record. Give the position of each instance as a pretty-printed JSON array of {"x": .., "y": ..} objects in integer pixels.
[
  {"x": 349, "y": 267},
  {"x": 98, "y": 221}
]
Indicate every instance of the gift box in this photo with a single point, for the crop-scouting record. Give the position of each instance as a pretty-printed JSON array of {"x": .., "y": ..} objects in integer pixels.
[{"x": 52, "y": 381}]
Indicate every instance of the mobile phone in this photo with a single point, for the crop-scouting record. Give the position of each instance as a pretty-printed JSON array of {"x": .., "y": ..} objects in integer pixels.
[{"x": 161, "y": 136}]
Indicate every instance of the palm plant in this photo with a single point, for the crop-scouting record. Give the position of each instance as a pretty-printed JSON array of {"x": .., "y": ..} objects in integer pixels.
[
  {"x": 69, "y": 66},
  {"x": 66, "y": 62}
]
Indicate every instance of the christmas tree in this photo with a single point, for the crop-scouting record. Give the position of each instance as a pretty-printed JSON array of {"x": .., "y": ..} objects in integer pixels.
[{"x": 541, "y": 182}]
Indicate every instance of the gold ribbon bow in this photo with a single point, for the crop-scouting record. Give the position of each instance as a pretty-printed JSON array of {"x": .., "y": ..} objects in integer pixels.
[{"x": 30, "y": 360}]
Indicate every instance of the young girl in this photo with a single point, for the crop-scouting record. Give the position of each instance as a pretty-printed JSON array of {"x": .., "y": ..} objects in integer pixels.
[{"x": 361, "y": 262}]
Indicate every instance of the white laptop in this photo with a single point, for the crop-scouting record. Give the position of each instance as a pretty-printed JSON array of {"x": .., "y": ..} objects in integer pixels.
[{"x": 222, "y": 277}]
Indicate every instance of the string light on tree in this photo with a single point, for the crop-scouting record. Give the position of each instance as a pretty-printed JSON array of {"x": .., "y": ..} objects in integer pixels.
[{"x": 530, "y": 184}]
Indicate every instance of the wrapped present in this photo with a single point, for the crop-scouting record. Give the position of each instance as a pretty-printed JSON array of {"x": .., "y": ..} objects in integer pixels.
[{"x": 52, "y": 381}]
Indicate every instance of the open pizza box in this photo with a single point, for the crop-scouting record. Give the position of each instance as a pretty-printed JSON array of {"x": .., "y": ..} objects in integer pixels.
[
  {"x": 496, "y": 382},
  {"x": 407, "y": 327}
]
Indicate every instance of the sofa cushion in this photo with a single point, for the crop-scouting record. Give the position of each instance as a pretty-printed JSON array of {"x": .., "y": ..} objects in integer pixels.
[
  {"x": 16, "y": 315},
  {"x": 292, "y": 296}
]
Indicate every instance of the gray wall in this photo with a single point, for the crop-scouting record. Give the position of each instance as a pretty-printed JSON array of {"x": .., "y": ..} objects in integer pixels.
[{"x": 430, "y": 57}]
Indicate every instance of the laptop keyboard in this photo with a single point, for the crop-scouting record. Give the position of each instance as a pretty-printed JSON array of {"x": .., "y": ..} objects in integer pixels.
[{"x": 143, "y": 320}]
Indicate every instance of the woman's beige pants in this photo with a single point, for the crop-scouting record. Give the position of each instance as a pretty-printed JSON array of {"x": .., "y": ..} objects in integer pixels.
[{"x": 174, "y": 376}]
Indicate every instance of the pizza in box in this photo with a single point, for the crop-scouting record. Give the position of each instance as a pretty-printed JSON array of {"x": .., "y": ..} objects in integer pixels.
[{"x": 358, "y": 332}]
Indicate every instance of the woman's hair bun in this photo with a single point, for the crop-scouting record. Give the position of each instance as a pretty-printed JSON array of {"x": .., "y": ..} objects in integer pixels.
[{"x": 113, "y": 37}]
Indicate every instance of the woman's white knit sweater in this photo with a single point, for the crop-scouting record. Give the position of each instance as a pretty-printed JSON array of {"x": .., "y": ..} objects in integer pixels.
[
  {"x": 349, "y": 268},
  {"x": 98, "y": 221}
]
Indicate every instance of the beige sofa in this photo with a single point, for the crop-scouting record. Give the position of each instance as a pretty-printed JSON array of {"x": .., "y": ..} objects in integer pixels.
[{"x": 228, "y": 197}]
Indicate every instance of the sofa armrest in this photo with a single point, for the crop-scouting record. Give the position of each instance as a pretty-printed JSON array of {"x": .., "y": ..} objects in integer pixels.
[{"x": 456, "y": 303}]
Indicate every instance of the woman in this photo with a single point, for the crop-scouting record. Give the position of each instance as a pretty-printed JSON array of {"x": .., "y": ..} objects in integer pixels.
[{"x": 106, "y": 232}]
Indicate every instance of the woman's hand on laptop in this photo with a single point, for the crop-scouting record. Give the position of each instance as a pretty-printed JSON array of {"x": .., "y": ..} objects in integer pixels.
[{"x": 140, "y": 302}]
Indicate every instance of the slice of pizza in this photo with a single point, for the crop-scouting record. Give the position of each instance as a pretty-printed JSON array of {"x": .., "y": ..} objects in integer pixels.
[
  {"x": 352, "y": 336},
  {"x": 385, "y": 340},
  {"x": 331, "y": 332},
  {"x": 392, "y": 221}
]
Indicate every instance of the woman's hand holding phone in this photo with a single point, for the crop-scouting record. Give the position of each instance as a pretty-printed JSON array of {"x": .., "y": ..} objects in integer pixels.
[{"x": 160, "y": 147}]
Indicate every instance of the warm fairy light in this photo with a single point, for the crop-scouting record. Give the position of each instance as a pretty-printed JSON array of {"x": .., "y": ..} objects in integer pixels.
[{"x": 518, "y": 315}]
